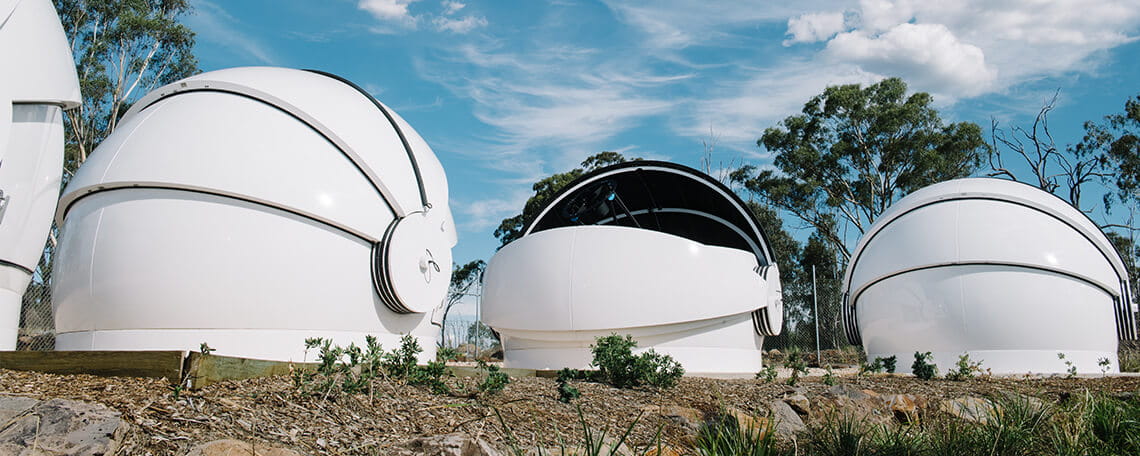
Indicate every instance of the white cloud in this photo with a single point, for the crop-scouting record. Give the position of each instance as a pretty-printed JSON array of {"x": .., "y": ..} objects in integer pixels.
[
  {"x": 929, "y": 55},
  {"x": 463, "y": 25},
  {"x": 450, "y": 7},
  {"x": 971, "y": 47},
  {"x": 812, "y": 27},
  {"x": 388, "y": 10},
  {"x": 478, "y": 216}
]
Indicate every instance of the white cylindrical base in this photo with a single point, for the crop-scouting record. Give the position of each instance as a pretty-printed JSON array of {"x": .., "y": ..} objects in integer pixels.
[
  {"x": 1013, "y": 319},
  {"x": 13, "y": 283},
  {"x": 721, "y": 347}
]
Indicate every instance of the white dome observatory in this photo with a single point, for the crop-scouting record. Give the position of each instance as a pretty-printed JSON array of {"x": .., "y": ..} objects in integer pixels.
[
  {"x": 999, "y": 270},
  {"x": 250, "y": 209},
  {"x": 655, "y": 250},
  {"x": 37, "y": 82}
]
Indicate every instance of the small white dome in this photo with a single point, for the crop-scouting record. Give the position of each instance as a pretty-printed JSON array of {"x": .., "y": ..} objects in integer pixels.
[
  {"x": 655, "y": 250},
  {"x": 299, "y": 205},
  {"x": 993, "y": 268}
]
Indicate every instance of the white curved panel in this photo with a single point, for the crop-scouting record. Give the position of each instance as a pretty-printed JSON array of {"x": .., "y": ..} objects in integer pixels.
[
  {"x": 981, "y": 231},
  {"x": 163, "y": 262},
  {"x": 37, "y": 64},
  {"x": 234, "y": 145},
  {"x": 336, "y": 105},
  {"x": 977, "y": 309},
  {"x": 604, "y": 277},
  {"x": 29, "y": 179}
]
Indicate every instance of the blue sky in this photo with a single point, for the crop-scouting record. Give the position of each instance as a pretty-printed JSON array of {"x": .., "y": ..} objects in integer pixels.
[{"x": 507, "y": 92}]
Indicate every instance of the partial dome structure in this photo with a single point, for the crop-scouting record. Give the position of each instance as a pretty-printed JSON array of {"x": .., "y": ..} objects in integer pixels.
[
  {"x": 655, "y": 250},
  {"x": 998, "y": 270},
  {"x": 250, "y": 209},
  {"x": 37, "y": 82}
]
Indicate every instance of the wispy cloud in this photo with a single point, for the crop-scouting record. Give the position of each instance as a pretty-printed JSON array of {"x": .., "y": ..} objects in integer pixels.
[
  {"x": 481, "y": 215},
  {"x": 213, "y": 24},
  {"x": 460, "y": 25}
]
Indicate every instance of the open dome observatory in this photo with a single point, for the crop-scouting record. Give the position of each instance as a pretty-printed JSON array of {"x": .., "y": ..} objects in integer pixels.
[
  {"x": 655, "y": 250},
  {"x": 998, "y": 270},
  {"x": 37, "y": 82},
  {"x": 250, "y": 209}
]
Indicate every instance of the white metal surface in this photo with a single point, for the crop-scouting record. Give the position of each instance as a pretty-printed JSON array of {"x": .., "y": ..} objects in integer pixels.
[
  {"x": 553, "y": 291},
  {"x": 998, "y": 270},
  {"x": 37, "y": 80},
  {"x": 249, "y": 209}
]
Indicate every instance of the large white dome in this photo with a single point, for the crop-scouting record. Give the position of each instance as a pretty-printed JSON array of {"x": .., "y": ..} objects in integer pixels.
[
  {"x": 37, "y": 82},
  {"x": 999, "y": 270},
  {"x": 655, "y": 250},
  {"x": 252, "y": 208}
]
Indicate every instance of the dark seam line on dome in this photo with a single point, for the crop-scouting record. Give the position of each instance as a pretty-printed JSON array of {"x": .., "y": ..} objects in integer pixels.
[
  {"x": 220, "y": 195},
  {"x": 17, "y": 266},
  {"x": 311, "y": 127},
  {"x": 855, "y": 261},
  {"x": 855, "y": 298},
  {"x": 395, "y": 126}
]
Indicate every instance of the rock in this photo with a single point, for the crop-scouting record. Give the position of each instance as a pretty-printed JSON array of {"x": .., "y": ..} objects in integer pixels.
[
  {"x": 231, "y": 447},
  {"x": 788, "y": 422},
  {"x": 687, "y": 418},
  {"x": 456, "y": 444},
  {"x": 905, "y": 407},
  {"x": 774, "y": 352},
  {"x": 799, "y": 403},
  {"x": 60, "y": 427},
  {"x": 13, "y": 406},
  {"x": 665, "y": 450},
  {"x": 747, "y": 423},
  {"x": 971, "y": 409},
  {"x": 851, "y": 392}
]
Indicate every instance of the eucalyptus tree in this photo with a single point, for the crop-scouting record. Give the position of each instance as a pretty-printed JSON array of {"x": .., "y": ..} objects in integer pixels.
[
  {"x": 123, "y": 49},
  {"x": 853, "y": 151}
]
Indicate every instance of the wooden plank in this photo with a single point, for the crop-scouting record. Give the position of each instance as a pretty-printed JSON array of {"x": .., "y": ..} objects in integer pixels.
[
  {"x": 472, "y": 371},
  {"x": 209, "y": 369},
  {"x": 151, "y": 364}
]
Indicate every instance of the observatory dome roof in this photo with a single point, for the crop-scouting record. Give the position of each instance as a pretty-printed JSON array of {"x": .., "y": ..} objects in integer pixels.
[
  {"x": 306, "y": 142},
  {"x": 657, "y": 196},
  {"x": 36, "y": 65}
]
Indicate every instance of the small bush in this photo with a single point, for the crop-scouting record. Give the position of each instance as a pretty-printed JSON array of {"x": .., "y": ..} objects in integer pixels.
[
  {"x": 618, "y": 367},
  {"x": 768, "y": 374},
  {"x": 888, "y": 363},
  {"x": 795, "y": 361},
  {"x": 446, "y": 354},
  {"x": 922, "y": 367},
  {"x": 495, "y": 381},
  {"x": 964, "y": 369},
  {"x": 1070, "y": 368},
  {"x": 829, "y": 377}
]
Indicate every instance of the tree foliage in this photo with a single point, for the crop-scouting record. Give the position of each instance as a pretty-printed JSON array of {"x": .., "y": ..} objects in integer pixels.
[
  {"x": 853, "y": 151},
  {"x": 511, "y": 228},
  {"x": 123, "y": 49},
  {"x": 1119, "y": 137}
]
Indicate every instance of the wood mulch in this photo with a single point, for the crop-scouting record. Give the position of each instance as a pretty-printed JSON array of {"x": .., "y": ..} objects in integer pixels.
[{"x": 273, "y": 412}]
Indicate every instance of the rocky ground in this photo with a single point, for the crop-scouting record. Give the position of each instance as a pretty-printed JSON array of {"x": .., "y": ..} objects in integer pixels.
[{"x": 145, "y": 416}]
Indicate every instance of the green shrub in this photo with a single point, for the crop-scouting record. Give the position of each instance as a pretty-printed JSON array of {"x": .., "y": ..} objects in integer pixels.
[
  {"x": 829, "y": 377},
  {"x": 922, "y": 367},
  {"x": 795, "y": 361},
  {"x": 964, "y": 369},
  {"x": 495, "y": 381},
  {"x": 724, "y": 437},
  {"x": 618, "y": 367},
  {"x": 888, "y": 363},
  {"x": 768, "y": 374}
]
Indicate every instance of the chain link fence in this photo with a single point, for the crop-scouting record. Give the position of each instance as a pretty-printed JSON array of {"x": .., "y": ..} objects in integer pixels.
[{"x": 37, "y": 325}]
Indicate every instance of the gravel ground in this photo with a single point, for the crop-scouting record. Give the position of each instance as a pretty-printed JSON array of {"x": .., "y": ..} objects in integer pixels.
[{"x": 272, "y": 410}]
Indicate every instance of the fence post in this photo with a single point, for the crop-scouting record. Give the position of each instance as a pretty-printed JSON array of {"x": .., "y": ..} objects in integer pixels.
[{"x": 815, "y": 313}]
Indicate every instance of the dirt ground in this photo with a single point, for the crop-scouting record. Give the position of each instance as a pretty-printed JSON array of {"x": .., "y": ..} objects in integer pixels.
[{"x": 273, "y": 412}]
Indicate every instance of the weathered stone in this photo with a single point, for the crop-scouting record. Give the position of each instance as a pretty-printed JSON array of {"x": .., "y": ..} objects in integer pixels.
[
  {"x": 13, "y": 406},
  {"x": 971, "y": 409},
  {"x": 851, "y": 392},
  {"x": 788, "y": 422},
  {"x": 905, "y": 407},
  {"x": 62, "y": 427},
  {"x": 747, "y": 423},
  {"x": 665, "y": 450},
  {"x": 451, "y": 445},
  {"x": 774, "y": 352},
  {"x": 687, "y": 418},
  {"x": 231, "y": 447},
  {"x": 799, "y": 403}
]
